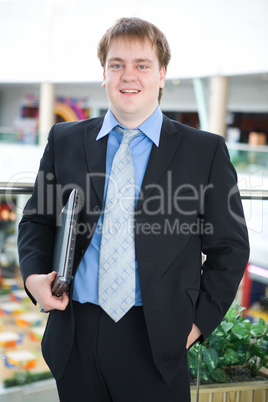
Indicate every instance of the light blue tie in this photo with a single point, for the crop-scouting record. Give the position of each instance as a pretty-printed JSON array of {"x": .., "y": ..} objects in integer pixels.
[{"x": 117, "y": 251}]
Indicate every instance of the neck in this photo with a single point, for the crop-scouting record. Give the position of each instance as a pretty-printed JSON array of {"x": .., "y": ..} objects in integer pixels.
[{"x": 130, "y": 120}]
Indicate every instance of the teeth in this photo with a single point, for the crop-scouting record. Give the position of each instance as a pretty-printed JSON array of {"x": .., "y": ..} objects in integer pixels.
[{"x": 129, "y": 91}]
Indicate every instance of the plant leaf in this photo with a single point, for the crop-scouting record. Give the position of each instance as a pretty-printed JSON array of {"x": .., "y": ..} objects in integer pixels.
[
  {"x": 257, "y": 329},
  {"x": 217, "y": 342},
  {"x": 226, "y": 326},
  {"x": 210, "y": 357},
  {"x": 219, "y": 375},
  {"x": 204, "y": 374},
  {"x": 240, "y": 330},
  {"x": 230, "y": 356}
]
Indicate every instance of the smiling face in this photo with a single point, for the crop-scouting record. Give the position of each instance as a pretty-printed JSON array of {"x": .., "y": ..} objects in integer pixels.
[{"x": 132, "y": 77}]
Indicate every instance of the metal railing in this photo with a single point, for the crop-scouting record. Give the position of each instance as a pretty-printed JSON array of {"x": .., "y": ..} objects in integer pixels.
[
  {"x": 16, "y": 188},
  {"x": 27, "y": 188}
]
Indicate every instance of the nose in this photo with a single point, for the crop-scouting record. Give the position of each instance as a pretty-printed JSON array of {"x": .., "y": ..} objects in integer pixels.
[{"x": 128, "y": 74}]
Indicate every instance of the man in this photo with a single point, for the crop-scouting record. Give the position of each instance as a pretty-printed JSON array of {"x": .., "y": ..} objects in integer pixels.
[{"x": 133, "y": 310}]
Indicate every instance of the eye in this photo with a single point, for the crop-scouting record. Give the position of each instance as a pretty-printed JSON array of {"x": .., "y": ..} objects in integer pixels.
[
  {"x": 142, "y": 67},
  {"x": 116, "y": 66}
]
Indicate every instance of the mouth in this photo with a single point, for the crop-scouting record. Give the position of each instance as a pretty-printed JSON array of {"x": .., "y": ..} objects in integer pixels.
[{"x": 129, "y": 91}]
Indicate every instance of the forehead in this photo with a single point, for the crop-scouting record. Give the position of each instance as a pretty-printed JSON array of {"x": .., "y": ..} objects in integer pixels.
[{"x": 127, "y": 46}]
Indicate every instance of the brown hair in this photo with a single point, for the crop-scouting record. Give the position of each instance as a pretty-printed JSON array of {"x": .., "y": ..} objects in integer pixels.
[{"x": 136, "y": 28}]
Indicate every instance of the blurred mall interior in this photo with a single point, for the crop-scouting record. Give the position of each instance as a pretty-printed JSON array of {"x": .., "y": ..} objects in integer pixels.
[{"x": 49, "y": 72}]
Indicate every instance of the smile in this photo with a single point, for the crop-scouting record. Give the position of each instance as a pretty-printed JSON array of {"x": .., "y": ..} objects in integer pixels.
[{"x": 129, "y": 91}]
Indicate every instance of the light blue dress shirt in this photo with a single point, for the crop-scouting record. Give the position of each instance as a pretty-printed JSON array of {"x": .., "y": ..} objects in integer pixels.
[{"x": 86, "y": 279}]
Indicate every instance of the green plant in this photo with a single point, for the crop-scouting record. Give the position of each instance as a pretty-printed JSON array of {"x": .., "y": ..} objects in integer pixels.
[
  {"x": 235, "y": 342},
  {"x": 22, "y": 378}
]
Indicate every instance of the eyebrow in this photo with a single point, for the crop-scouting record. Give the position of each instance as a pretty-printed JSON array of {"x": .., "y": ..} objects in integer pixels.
[{"x": 139, "y": 60}]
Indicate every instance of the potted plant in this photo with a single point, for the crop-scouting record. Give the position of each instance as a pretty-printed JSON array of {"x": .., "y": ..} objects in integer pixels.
[
  {"x": 29, "y": 387},
  {"x": 20, "y": 378},
  {"x": 235, "y": 343}
]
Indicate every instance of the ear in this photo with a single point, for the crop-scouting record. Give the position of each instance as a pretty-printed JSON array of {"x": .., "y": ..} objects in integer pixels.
[
  {"x": 104, "y": 80},
  {"x": 162, "y": 77}
]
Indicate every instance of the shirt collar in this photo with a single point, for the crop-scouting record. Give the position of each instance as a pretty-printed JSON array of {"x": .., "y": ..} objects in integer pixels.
[{"x": 150, "y": 127}]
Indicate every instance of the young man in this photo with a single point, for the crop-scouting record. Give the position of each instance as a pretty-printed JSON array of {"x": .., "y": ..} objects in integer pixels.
[{"x": 155, "y": 195}]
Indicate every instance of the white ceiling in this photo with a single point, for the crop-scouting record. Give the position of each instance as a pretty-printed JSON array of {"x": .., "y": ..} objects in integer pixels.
[{"x": 56, "y": 40}]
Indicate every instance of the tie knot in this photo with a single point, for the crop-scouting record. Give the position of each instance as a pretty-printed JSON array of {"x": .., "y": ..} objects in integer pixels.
[{"x": 128, "y": 135}]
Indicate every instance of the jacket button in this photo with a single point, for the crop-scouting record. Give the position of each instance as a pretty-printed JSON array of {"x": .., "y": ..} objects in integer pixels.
[{"x": 96, "y": 209}]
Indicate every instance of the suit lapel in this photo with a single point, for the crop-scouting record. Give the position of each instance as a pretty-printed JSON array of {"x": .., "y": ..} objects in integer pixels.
[
  {"x": 96, "y": 156},
  {"x": 160, "y": 158},
  {"x": 158, "y": 162}
]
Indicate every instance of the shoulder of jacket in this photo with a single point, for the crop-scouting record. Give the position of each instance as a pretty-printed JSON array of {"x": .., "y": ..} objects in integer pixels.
[
  {"x": 64, "y": 130},
  {"x": 194, "y": 133},
  {"x": 79, "y": 124}
]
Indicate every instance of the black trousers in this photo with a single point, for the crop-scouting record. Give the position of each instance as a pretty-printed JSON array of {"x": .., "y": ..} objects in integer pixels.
[{"x": 112, "y": 362}]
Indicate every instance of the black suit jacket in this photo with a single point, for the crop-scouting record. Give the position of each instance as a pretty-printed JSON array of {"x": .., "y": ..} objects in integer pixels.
[{"x": 189, "y": 204}]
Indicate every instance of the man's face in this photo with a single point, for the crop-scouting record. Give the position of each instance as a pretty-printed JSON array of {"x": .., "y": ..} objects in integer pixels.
[{"x": 132, "y": 77}]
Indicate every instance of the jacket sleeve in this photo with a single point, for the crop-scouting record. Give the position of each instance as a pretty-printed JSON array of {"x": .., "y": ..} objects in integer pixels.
[
  {"x": 37, "y": 226},
  {"x": 225, "y": 247}
]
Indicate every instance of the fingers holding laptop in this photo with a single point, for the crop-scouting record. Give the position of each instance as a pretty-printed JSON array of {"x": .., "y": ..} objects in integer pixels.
[{"x": 40, "y": 288}]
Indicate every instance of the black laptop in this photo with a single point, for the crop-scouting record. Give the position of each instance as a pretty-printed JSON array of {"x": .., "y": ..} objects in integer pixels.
[{"x": 64, "y": 245}]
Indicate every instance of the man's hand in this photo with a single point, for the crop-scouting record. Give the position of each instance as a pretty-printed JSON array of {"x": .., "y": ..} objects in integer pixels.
[
  {"x": 40, "y": 288},
  {"x": 193, "y": 336}
]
